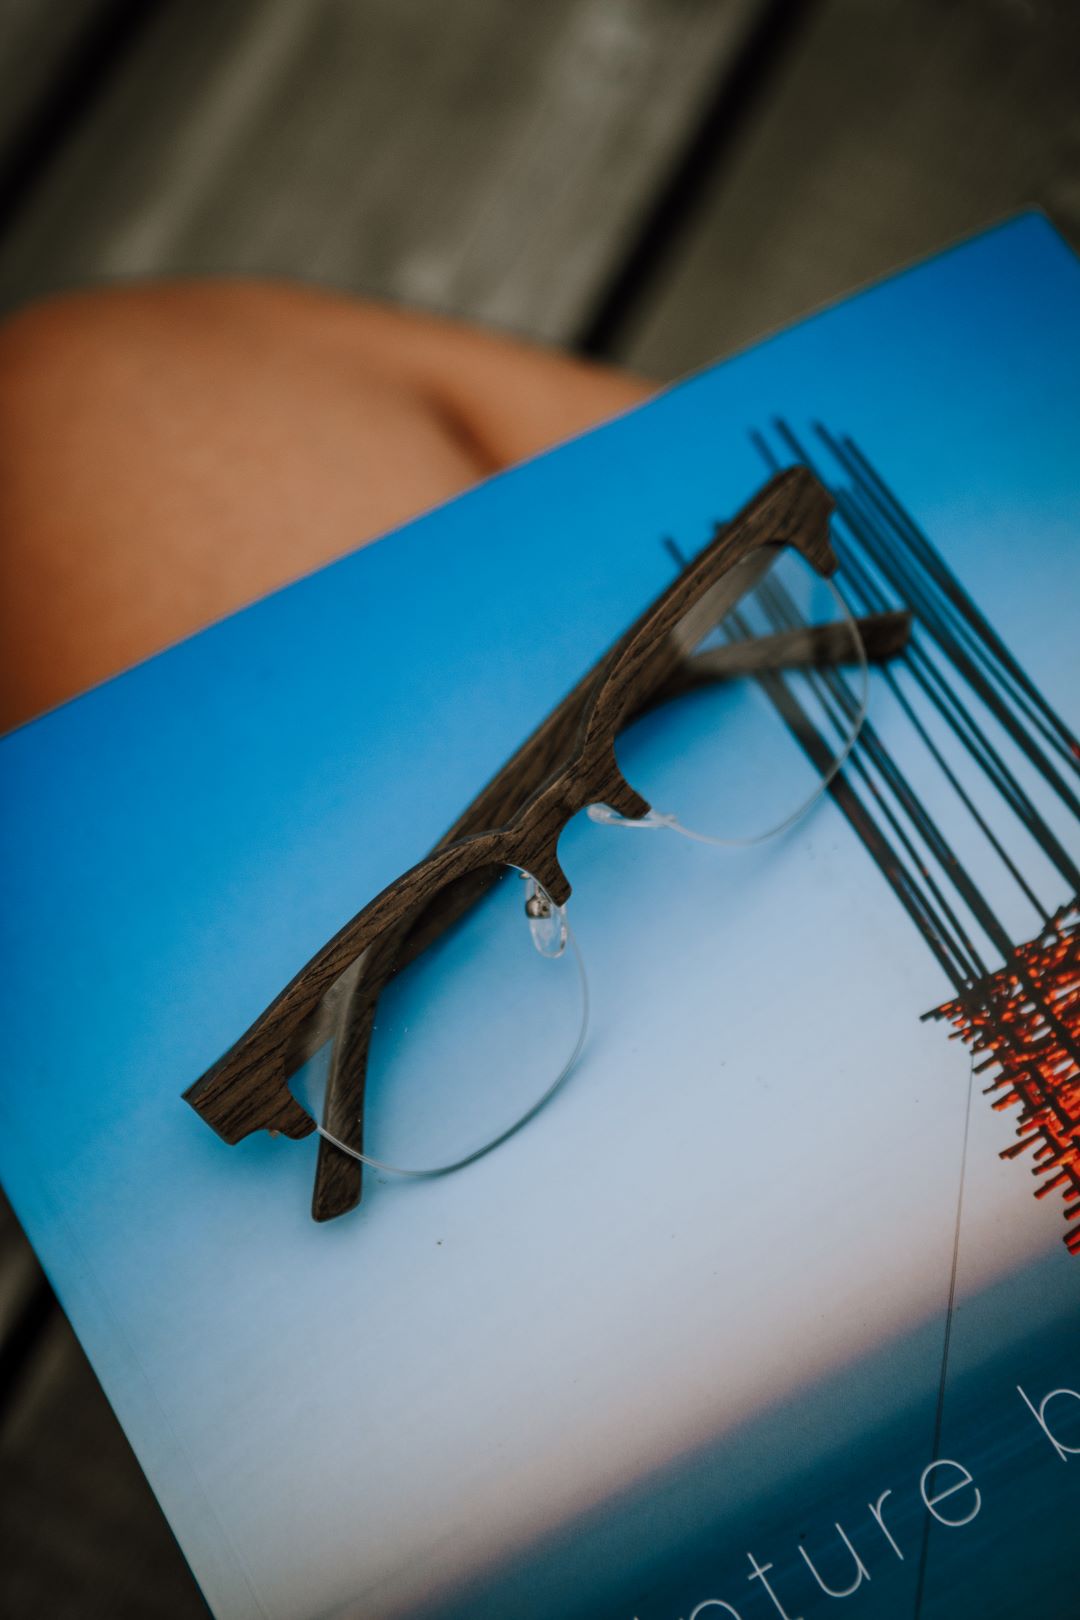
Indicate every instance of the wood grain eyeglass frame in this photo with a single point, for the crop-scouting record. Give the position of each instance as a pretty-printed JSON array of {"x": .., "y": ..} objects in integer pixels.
[{"x": 568, "y": 763}]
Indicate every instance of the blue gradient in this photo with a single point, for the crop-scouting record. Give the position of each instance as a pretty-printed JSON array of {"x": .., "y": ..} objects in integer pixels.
[{"x": 750, "y": 1182}]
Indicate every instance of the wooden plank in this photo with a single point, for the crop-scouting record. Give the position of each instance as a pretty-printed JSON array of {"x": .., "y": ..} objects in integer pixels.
[
  {"x": 36, "y": 43},
  {"x": 18, "y": 1272},
  {"x": 26, "y": 1305},
  {"x": 894, "y": 127},
  {"x": 486, "y": 158}
]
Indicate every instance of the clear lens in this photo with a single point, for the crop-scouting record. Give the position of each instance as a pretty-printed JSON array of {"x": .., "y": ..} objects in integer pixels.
[
  {"x": 473, "y": 1034},
  {"x": 740, "y": 752}
]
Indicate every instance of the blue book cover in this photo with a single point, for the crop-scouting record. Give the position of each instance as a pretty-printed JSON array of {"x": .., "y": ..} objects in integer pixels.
[{"x": 774, "y": 1307}]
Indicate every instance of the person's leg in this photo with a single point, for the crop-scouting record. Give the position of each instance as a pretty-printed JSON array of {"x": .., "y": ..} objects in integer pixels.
[{"x": 171, "y": 451}]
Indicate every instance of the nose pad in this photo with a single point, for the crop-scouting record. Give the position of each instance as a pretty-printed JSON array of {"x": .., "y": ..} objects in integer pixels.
[
  {"x": 547, "y": 921},
  {"x": 606, "y": 817}
]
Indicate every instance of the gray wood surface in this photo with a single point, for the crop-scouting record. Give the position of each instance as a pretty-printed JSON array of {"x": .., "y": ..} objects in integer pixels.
[
  {"x": 82, "y": 1534},
  {"x": 36, "y": 40},
  {"x": 486, "y": 158},
  {"x": 893, "y": 127},
  {"x": 19, "y": 1275}
]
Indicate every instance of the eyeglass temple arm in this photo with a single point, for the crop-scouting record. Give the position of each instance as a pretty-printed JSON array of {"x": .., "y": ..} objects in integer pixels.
[
  {"x": 812, "y": 646},
  {"x": 883, "y": 636},
  {"x": 347, "y": 1016}
]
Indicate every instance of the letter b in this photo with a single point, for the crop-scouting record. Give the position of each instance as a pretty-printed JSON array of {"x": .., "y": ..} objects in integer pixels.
[{"x": 1039, "y": 1414}]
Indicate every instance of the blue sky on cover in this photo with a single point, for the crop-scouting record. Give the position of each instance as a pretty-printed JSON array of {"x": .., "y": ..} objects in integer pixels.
[{"x": 181, "y": 840}]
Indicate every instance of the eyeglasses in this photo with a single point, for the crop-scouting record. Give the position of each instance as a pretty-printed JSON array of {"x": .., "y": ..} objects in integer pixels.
[{"x": 455, "y": 1003}]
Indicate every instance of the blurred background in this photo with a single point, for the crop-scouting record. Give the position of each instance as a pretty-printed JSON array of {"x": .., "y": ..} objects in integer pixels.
[{"x": 653, "y": 182}]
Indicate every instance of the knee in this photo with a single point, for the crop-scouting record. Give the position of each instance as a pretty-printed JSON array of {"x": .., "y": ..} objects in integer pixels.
[
  {"x": 170, "y": 450},
  {"x": 51, "y": 341},
  {"x": 67, "y": 365},
  {"x": 71, "y": 401},
  {"x": 38, "y": 337},
  {"x": 38, "y": 345}
]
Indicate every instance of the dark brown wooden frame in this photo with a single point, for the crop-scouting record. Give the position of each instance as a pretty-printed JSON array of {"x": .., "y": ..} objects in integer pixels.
[{"x": 568, "y": 763}]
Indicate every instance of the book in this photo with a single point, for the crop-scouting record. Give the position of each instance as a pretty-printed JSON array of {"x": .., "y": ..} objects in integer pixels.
[{"x": 773, "y": 1308}]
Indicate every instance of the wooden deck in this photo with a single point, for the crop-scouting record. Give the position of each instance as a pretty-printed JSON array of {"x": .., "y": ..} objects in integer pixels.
[{"x": 655, "y": 181}]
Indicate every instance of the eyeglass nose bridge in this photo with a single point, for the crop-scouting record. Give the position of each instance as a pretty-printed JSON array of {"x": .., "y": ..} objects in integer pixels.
[
  {"x": 594, "y": 778},
  {"x": 543, "y": 865},
  {"x": 609, "y": 786}
]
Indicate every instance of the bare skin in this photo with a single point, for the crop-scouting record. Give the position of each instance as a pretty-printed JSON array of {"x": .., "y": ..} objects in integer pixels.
[{"x": 171, "y": 451}]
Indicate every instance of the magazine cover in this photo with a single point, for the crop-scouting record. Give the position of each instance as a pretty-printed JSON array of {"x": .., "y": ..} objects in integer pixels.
[{"x": 751, "y": 1286}]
